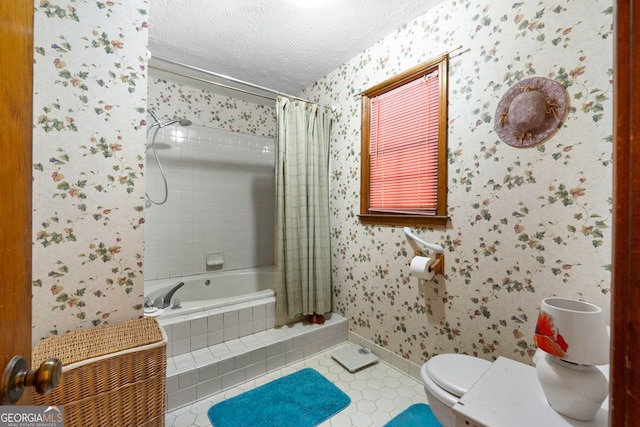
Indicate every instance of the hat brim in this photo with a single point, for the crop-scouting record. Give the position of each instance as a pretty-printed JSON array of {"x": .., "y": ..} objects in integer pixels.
[{"x": 557, "y": 103}]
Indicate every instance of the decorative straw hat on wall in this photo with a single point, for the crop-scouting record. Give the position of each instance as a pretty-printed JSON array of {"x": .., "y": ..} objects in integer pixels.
[{"x": 531, "y": 111}]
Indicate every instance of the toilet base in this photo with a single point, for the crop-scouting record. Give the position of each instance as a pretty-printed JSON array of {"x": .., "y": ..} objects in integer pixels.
[{"x": 443, "y": 413}]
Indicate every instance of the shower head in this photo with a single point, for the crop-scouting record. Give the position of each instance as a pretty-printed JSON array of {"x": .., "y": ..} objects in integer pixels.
[{"x": 179, "y": 121}]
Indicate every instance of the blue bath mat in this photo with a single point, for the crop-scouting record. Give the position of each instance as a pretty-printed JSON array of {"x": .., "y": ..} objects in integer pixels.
[
  {"x": 418, "y": 415},
  {"x": 302, "y": 399}
]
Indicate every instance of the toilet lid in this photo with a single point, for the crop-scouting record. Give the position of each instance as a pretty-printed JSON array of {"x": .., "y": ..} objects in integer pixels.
[{"x": 456, "y": 373}]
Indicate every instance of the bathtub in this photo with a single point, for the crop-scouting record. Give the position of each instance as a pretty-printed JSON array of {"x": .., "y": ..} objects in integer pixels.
[{"x": 204, "y": 292}]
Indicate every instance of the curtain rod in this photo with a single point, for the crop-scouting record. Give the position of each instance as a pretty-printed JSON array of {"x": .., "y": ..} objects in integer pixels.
[
  {"x": 222, "y": 76},
  {"x": 439, "y": 57}
]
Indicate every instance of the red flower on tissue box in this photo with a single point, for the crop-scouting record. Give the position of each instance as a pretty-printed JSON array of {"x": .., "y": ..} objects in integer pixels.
[{"x": 548, "y": 338}]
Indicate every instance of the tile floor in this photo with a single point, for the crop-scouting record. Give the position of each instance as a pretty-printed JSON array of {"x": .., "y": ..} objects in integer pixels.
[{"x": 378, "y": 393}]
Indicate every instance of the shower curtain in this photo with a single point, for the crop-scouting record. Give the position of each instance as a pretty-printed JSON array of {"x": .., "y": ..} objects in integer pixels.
[{"x": 302, "y": 193}]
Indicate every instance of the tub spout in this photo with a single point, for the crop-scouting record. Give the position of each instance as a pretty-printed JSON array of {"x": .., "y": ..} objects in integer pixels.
[{"x": 165, "y": 301}]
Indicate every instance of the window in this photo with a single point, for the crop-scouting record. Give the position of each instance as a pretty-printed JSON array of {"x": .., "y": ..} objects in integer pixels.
[{"x": 404, "y": 148}]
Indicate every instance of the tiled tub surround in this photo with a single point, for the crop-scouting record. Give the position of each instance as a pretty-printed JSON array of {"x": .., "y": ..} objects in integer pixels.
[
  {"x": 204, "y": 292},
  {"x": 197, "y": 369},
  {"x": 208, "y": 328},
  {"x": 221, "y": 199}
]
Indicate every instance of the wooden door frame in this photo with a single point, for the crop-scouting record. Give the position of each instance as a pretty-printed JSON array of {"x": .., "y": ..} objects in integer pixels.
[
  {"x": 625, "y": 304},
  {"x": 16, "y": 110}
]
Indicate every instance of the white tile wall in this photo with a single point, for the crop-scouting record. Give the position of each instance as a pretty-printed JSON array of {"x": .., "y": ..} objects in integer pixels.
[{"x": 221, "y": 199}]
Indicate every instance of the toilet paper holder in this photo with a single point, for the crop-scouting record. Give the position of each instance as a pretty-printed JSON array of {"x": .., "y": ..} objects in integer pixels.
[
  {"x": 421, "y": 248},
  {"x": 438, "y": 265}
]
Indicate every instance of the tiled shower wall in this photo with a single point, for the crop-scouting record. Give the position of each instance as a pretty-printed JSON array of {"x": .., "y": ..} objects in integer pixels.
[{"x": 221, "y": 200}]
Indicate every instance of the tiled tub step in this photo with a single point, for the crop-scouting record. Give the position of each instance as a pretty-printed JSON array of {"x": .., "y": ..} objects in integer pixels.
[
  {"x": 197, "y": 374},
  {"x": 207, "y": 328}
]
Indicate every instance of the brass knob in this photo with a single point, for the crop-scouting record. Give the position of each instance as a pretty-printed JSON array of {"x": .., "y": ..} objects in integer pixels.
[{"x": 16, "y": 377}]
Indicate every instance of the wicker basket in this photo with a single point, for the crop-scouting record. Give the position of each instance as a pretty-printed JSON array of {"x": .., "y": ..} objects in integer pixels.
[{"x": 112, "y": 376}]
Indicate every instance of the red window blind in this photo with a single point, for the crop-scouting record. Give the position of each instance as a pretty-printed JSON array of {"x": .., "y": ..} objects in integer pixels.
[{"x": 404, "y": 148}]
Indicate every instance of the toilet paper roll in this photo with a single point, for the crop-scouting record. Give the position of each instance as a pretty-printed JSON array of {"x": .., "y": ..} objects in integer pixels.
[{"x": 420, "y": 267}]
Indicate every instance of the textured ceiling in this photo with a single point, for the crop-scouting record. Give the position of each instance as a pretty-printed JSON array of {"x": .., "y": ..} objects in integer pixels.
[{"x": 273, "y": 43}]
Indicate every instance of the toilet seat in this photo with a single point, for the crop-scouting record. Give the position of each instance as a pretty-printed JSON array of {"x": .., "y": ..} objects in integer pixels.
[{"x": 455, "y": 373}]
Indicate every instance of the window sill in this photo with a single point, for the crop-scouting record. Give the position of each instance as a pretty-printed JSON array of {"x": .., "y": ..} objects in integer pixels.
[{"x": 405, "y": 220}]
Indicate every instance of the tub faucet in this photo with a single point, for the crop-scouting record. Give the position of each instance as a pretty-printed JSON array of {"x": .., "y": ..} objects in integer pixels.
[{"x": 165, "y": 300}]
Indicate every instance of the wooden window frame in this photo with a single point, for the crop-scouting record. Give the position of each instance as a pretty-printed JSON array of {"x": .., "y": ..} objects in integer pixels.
[{"x": 440, "y": 219}]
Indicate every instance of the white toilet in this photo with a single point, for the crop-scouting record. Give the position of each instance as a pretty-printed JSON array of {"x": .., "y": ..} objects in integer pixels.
[{"x": 446, "y": 377}]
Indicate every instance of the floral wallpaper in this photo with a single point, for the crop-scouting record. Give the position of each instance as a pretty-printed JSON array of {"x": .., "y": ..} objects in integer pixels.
[
  {"x": 88, "y": 163},
  {"x": 205, "y": 108},
  {"x": 525, "y": 223}
]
